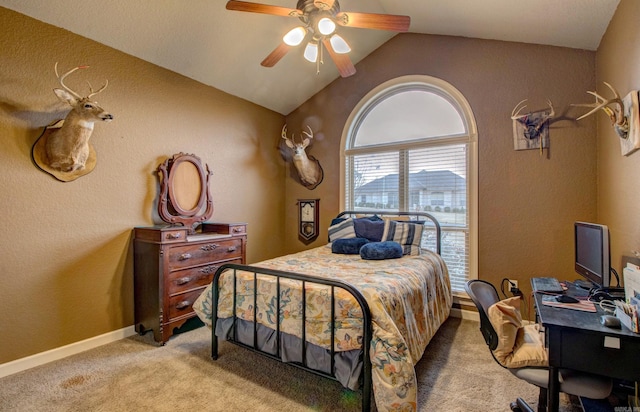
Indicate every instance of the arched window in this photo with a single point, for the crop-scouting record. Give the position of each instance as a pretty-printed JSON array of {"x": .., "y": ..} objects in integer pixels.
[{"x": 410, "y": 145}]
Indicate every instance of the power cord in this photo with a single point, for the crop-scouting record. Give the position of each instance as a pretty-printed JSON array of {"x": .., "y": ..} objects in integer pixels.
[
  {"x": 617, "y": 276},
  {"x": 513, "y": 289}
]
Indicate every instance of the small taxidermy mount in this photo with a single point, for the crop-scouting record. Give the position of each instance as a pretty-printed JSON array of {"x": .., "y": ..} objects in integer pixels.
[
  {"x": 308, "y": 167},
  {"x": 531, "y": 130},
  {"x": 63, "y": 149},
  {"x": 184, "y": 191},
  {"x": 623, "y": 114}
]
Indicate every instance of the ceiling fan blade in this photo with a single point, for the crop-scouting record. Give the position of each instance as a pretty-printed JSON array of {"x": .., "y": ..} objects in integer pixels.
[
  {"x": 262, "y": 8},
  {"x": 275, "y": 56},
  {"x": 342, "y": 61},
  {"x": 390, "y": 22}
]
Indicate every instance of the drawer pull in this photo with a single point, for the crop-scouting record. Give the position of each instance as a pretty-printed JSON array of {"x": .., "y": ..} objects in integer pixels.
[
  {"x": 183, "y": 305},
  {"x": 208, "y": 248},
  {"x": 185, "y": 256},
  {"x": 231, "y": 249},
  {"x": 173, "y": 236},
  {"x": 237, "y": 229},
  {"x": 207, "y": 270},
  {"x": 183, "y": 281}
]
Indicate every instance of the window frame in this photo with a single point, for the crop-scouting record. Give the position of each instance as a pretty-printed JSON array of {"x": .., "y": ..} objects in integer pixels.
[{"x": 470, "y": 138}]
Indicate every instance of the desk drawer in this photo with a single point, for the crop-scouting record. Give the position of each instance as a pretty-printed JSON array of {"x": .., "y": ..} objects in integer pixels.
[
  {"x": 587, "y": 352},
  {"x": 205, "y": 252}
]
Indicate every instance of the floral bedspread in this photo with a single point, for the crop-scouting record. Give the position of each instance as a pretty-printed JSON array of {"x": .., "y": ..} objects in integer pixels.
[{"x": 409, "y": 299}]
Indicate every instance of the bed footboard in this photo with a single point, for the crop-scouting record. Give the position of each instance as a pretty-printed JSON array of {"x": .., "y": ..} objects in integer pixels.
[{"x": 233, "y": 269}]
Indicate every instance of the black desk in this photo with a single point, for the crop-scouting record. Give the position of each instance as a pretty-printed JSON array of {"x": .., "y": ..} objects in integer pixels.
[{"x": 576, "y": 340}]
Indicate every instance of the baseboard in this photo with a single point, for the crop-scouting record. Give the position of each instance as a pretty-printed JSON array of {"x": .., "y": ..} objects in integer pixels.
[
  {"x": 465, "y": 314},
  {"x": 42, "y": 358}
]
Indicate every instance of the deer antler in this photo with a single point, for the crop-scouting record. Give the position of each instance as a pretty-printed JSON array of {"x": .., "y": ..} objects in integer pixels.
[
  {"x": 310, "y": 134},
  {"x": 284, "y": 133},
  {"x": 515, "y": 113},
  {"x": 92, "y": 93},
  {"x": 67, "y": 88},
  {"x": 615, "y": 114}
]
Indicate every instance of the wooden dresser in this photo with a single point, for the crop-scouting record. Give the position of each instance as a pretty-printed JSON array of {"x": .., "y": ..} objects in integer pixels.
[{"x": 171, "y": 269}]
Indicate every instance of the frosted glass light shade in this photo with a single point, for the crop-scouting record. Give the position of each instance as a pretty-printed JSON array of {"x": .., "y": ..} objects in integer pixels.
[
  {"x": 295, "y": 36},
  {"x": 326, "y": 26},
  {"x": 311, "y": 52},
  {"x": 339, "y": 45}
]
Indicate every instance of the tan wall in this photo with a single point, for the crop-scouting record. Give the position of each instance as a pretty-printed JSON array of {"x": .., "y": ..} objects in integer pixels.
[
  {"x": 617, "y": 63},
  {"x": 66, "y": 262},
  {"x": 528, "y": 202}
]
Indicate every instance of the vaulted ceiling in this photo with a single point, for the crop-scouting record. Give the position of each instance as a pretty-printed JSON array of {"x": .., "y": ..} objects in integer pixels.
[{"x": 202, "y": 40}]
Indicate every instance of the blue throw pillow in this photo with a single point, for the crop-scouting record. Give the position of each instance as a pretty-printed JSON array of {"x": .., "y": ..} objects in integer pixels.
[
  {"x": 349, "y": 246},
  {"x": 370, "y": 228},
  {"x": 381, "y": 250}
]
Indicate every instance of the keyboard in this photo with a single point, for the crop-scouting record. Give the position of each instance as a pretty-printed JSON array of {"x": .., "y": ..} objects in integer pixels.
[{"x": 550, "y": 285}]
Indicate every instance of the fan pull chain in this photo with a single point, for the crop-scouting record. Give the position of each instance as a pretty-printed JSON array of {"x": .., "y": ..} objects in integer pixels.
[{"x": 320, "y": 57}]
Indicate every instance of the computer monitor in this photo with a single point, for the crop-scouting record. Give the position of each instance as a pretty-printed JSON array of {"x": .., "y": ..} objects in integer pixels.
[{"x": 592, "y": 262}]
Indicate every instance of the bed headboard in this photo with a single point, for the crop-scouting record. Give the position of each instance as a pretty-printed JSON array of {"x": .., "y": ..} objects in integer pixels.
[{"x": 428, "y": 220}]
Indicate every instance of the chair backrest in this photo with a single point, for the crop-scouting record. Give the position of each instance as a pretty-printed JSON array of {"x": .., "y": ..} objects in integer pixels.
[{"x": 484, "y": 294}]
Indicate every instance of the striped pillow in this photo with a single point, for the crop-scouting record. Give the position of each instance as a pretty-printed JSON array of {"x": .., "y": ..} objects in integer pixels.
[
  {"x": 409, "y": 235},
  {"x": 342, "y": 230}
]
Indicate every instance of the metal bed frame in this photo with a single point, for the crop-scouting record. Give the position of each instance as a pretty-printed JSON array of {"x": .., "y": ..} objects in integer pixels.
[{"x": 333, "y": 284}]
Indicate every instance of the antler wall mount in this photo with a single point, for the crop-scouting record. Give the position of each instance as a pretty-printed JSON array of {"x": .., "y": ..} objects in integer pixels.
[
  {"x": 320, "y": 20},
  {"x": 531, "y": 130},
  {"x": 623, "y": 114}
]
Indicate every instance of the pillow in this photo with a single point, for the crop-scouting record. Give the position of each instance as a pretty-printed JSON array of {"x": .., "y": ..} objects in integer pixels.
[
  {"x": 342, "y": 230},
  {"x": 381, "y": 250},
  {"x": 409, "y": 235},
  {"x": 506, "y": 320},
  {"x": 529, "y": 348},
  {"x": 349, "y": 246},
  {"x": 518, "y": 346},
  {"x": 370, "y": 228}
]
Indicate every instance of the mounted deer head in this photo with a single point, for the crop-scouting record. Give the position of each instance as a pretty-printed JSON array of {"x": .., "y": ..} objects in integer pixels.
[
  {"x": 616, "y": 112},
  {"x": 309, "y": 169},
  {"x": 67, "y": 148}
]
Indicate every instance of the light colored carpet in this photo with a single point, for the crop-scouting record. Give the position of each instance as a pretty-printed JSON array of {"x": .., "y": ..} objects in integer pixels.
[{"x": 457, "y": 373}]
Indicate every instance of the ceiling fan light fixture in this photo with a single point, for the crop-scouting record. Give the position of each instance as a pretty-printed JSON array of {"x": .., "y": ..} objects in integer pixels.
[
  {"x": 295, "y": 36},
  {"x": 339, "y": 45},
  {"x": 311, "y": 52},
  {"x": 326, "y": 26}
]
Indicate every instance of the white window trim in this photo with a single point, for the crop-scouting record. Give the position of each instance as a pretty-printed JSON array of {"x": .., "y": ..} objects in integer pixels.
[{"x": 447, "y": 89}]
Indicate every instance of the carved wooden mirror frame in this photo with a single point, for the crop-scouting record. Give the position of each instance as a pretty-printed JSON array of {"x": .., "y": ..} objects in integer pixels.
[{"x": 185, "y": 198}]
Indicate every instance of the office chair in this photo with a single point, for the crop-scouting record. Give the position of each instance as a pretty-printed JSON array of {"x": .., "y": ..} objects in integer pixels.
[{"x": 484, "y": 294}]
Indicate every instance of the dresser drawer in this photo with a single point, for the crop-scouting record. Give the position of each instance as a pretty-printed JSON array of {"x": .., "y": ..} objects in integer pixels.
[
  {"x": 161, "y": 235},
  {"x": 182, "y": 304},
  {"x": 205, "y": 252},
  {"x": 186, "y": 279}
]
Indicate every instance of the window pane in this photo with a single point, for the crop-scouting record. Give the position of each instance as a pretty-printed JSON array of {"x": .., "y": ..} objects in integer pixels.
[
  {"x": 438, "y": 182},
  {"x": 410, "y": 115},
  {"x": 375, "y": 181}
]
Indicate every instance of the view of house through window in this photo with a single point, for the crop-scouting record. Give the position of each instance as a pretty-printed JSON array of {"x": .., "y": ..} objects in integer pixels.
[{"x": 410, "y": 147}]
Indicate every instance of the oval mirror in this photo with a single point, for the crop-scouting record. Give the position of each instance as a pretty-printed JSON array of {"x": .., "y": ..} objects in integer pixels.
[{"x": 184, "y": 195}]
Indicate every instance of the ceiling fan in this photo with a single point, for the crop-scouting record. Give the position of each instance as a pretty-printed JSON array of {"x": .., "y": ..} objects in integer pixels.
[{"x": 320, "y": 19}]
